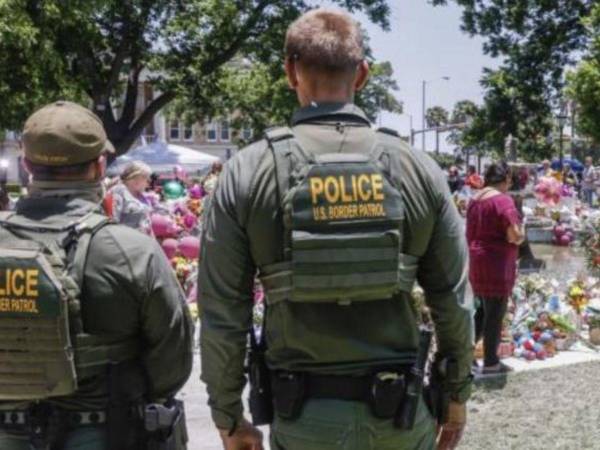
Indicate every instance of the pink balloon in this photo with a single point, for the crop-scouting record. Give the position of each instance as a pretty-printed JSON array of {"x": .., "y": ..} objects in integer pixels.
[
  {"x": 161, "y": 225},
  {"x": 172, "y": 230},
  {"x": 565, "y": 240},
  {"x": 190, "y": 221},
  {"x": 189, "y": 247},
  {"x": 169, "y": 246}
]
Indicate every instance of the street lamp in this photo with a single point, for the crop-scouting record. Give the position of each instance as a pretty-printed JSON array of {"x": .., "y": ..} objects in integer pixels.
[
  {"x": 561, "y": 118},
  {"x": 424, "y": 105}
]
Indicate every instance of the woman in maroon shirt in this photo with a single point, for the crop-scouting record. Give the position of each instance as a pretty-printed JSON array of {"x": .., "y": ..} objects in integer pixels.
[{"x": 494, "y": 234}]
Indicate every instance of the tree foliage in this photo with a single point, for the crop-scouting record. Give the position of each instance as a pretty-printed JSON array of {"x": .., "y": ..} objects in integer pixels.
[
  {"x": 436, "y": 116},
  {"x": 584, "y": 82},
  {"x": 257, "y": 95},
  {"x": 463, "y": 116},
  {"x": 535, "y": 40},
  {"x": 463, "y": 112},
  {"x": 97, "y": 51}
]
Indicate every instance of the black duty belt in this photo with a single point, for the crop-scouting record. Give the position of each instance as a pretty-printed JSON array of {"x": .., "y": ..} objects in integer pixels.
[
  {"x": 339, "y": 387},
  {"x": 22, "y": 418},
  {"x": 383, "y": 390}
]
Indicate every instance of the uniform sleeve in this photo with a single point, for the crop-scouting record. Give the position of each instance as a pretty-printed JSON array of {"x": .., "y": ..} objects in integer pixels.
[
  {"x": 167, "y": 328},
  {"x": 226, "y": 278},
  {"x": 443, "y": 276}
]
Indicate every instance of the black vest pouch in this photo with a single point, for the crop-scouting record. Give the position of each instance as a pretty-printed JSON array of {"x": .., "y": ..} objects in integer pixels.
[
  {"x": 387, "y": 394},
  {"x": 289, "y": 394}
]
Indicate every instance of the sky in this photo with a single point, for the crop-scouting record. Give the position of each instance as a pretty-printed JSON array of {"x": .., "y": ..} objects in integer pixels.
[{"x": 426, "y": 43}]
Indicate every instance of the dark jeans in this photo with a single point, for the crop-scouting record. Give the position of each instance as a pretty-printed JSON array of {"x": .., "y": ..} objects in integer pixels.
[{"x": 488, "y": 323}]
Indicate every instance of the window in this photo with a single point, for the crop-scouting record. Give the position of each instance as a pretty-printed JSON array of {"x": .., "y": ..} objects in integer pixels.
[
  {"x": 174, "y": 130},
  {"x": 188, "y": 132},
  {"x": 247, "y": 132},
  {"x": 211, "y": 132},
  {"x": 225, "y": 131}
]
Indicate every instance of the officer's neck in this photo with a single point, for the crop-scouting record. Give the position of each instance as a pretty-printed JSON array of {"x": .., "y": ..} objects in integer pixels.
[{"x": 319, "y": 96}]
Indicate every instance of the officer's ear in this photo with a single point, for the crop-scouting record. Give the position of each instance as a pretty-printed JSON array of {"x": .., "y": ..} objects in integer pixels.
[
  {"x": 362, "y": 76},
  {"x": 290, "y": 72}
]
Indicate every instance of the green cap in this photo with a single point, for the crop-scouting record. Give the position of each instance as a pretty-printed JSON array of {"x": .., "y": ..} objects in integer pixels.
[{"x": 64, "y": 133}]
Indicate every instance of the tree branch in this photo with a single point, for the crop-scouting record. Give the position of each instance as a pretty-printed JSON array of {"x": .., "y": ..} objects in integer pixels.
[
  {"x": 131, "y": 95},
  {"x": 117, "y": 65},
  {"x": 135, "y": 131},
  {"x": 218, "y": 60}
]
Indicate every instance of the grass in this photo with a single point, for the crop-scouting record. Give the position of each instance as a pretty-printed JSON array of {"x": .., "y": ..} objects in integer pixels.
[{"x": 556, "y": 408}]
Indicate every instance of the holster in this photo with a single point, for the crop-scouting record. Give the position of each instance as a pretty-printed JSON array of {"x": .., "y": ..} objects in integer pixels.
[
  {"x": 260, "y": 400},
  {"x": 123, "y": 418},
  {"x": 46, "y": 427},
  {"x": 165, "y": 426},
  {"x": 436, "y": 397}
]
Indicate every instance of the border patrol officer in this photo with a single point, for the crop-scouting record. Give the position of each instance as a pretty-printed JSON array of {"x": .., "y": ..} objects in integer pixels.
[
  {"x": 95, "y": 334},
  {"x": 338, "y": 221}
]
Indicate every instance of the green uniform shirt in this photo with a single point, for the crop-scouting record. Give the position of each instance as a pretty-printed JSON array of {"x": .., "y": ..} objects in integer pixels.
[
  {"x": 129, "y": 291},
  {"x": 244, "y": 232}
]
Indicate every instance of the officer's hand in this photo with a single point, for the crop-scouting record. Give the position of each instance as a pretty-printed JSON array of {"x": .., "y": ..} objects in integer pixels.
[
  {"x": 451, "y": 432},
  {"x": 245, "y": 437}
]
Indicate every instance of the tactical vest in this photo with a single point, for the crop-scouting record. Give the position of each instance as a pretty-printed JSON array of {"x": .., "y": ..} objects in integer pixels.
[
  {"x": 44, "y": 349},
  {"x": 343, "y": 220}
]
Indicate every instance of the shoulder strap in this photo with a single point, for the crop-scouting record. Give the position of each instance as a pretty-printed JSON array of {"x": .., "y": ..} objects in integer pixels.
[
  {"x": 386, "y": 143},
  {"x": 82, "y": 237},
  {"x": 77, "y": 246},
  {"x": 289, "y": 156}
]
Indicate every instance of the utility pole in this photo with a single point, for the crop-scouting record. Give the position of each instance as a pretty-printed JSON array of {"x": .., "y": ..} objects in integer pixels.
[
  {"x": 424, "y": 106},
  {"x": 423, "y": 116}
]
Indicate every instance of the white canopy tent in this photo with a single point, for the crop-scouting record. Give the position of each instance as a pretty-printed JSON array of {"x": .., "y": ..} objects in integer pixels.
[{"x": 163, "y": 157}]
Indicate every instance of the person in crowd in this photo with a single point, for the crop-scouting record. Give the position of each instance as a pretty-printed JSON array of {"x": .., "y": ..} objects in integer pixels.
[
  {"x": 210, "y": 181},
  {"x": 455, "y": 182},
  {"x": 494, "y": 233},
  {"x": 568, "y": 176},
  {"x": 81, "y": 377},
  {"x": 546, "y": 169},
  {"x": 473, "y": 180},
  {"x": 588, "y": 182},
  {"x": 130, "y": 205},
  {"x": 340, "y": 337}
]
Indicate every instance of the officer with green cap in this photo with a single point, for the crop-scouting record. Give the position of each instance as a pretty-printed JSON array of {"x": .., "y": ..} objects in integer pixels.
[
  {"x": 96, "y": 338},
  {"x": 339, "y": 222}
]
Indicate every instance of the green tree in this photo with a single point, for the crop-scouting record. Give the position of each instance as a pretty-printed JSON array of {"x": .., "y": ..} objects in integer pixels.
[
  {"x": 257, "y": 95},
  {"x": 584, "y": 82},
  {"x": 378, "y": 94},
  {"x": 463, "y": 116},
  {"x": 436, "y": 116},
  {"x": 96, "y": 51},
  {"x": 463, "y": 112},
  {"x": 535, "y": 40}
]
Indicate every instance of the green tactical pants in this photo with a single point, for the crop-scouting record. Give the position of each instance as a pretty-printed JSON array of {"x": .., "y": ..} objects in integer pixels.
[
  {"x": 83, "y": 438},
  {"x": 341, "y": 425}
]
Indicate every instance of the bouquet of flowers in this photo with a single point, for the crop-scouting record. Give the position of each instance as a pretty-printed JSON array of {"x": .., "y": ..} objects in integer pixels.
[
  {"x": 592, "y": 248},
  {"x": 577, "y": 296},
  {"x": 548, "y": 191}
]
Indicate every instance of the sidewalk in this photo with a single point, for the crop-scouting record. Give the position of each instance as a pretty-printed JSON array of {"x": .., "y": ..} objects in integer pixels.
[{"x": 203, "y": 435}]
